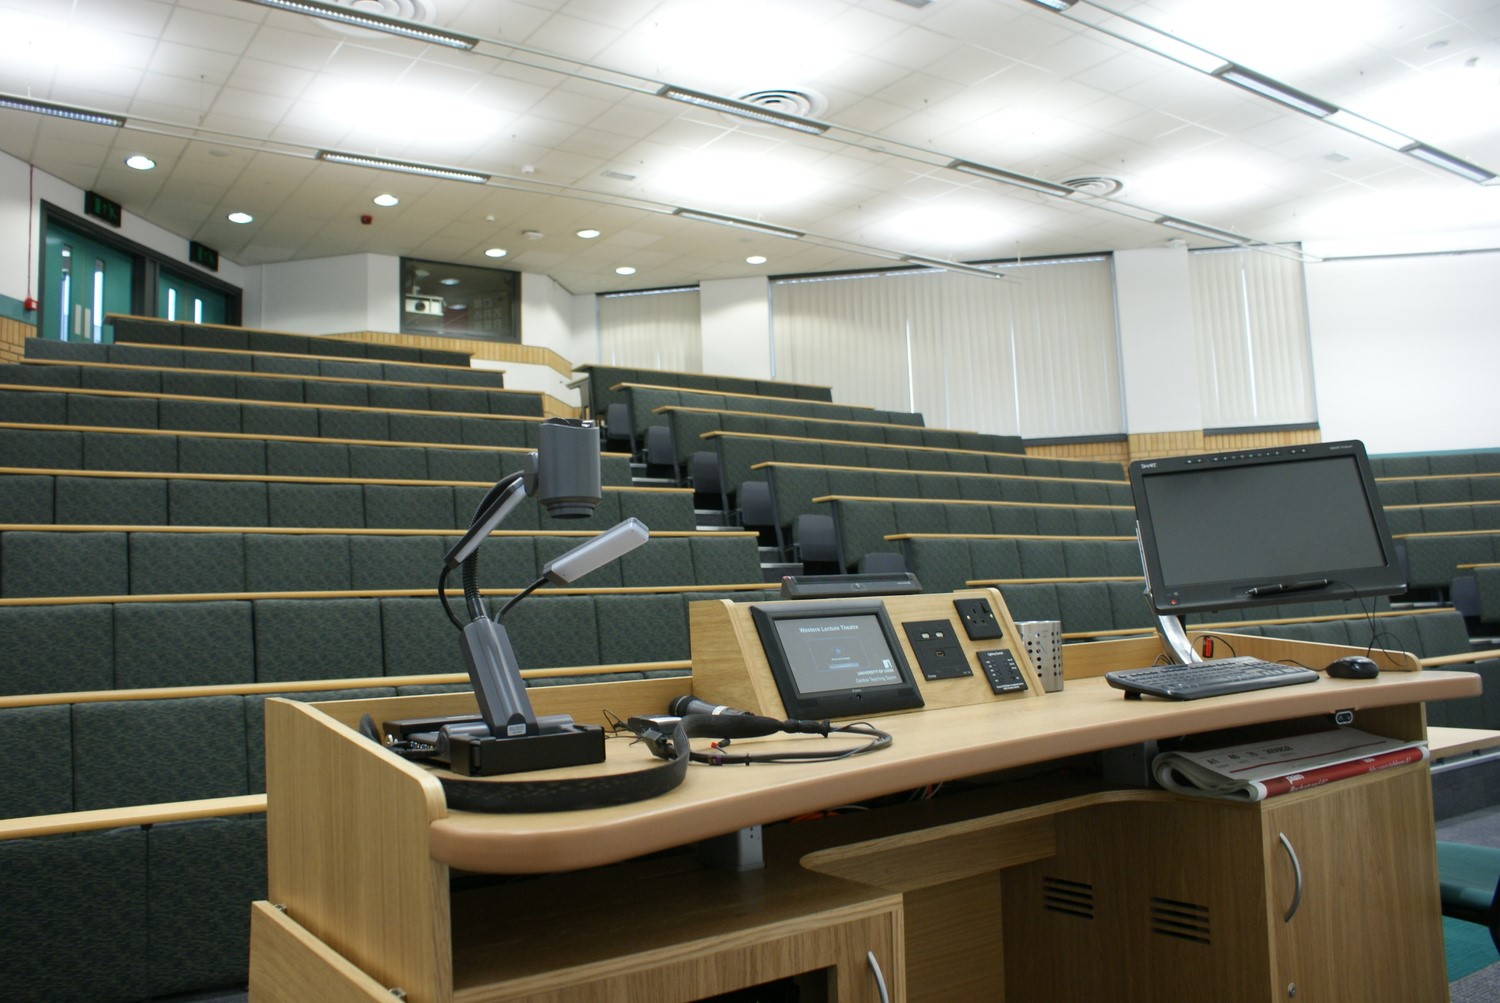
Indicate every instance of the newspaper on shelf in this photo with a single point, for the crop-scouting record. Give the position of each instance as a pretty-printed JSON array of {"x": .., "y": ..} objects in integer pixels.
[{"x": 1259, "y": 770}]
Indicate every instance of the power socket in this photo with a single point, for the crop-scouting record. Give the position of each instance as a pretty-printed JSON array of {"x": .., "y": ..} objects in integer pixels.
[{"x": 979, "y": 619}]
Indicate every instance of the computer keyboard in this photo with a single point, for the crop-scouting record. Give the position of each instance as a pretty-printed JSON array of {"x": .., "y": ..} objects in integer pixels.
[{"x": 1212, "y": 678}]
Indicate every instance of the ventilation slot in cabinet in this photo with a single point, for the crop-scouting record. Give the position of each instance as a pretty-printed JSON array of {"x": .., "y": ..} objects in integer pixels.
[
  {"x": 1073, "y": 898},
  {"x": 1183, "y": 920}
]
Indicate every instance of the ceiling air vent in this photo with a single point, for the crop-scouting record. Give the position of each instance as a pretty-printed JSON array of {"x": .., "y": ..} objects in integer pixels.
[
  {"x": 420, "y": 11},
  {"x": 1073, "y": 898},
  {"x": 1182, "y": 920},
  {"x": 795, "y": 101},
  {"x": 1098, "y": 185}
]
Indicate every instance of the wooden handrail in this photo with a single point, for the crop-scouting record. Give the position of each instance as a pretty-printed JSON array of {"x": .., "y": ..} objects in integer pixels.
[
  {"x": 292, "y": 479},
  {"x": 370, "y": 594},
  {"x": 131, "y": 367},
  {"x": 30, "y": 826},
  {"x": 141, "y": 395},
  {"x": 315, "y": 685}
]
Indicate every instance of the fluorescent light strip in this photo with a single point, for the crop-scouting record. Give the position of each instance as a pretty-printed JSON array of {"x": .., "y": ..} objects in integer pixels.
[
  {"x": 1007, "y": 178},
  {"x": 1057, "y": 6},
  {"x": 402, "y": 167},
  {"x": 1275, "y": 90},
  {"x": 1448, "y": 162},
  {"x": 952, "y": 266},
  {"x": 1373, "y": 131},
  {"x": 374, "y": 22},
  {"x": 61, "y": 111},
  {"x": 742, "y": 224},
  {"x": 743, "y": 109},
  {"x": 1201, "y": 230}
]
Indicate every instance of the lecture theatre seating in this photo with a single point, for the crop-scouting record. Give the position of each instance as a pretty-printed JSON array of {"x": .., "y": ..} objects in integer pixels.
[{"x": 174, "y": 552}]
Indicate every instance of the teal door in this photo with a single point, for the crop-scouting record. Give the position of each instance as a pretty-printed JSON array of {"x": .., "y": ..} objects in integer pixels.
[
  {"x": 180, "y": 298},
  {"x": 83, "y": 281}
]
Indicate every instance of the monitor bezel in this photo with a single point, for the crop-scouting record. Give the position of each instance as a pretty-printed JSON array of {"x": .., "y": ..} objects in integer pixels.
[
  {"x": 853, "y": 702},
  {"x": 1177, "y": 598}
]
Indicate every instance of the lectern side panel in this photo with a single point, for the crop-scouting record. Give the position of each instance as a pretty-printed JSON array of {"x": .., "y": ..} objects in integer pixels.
[{"x": 347, "y": 846}]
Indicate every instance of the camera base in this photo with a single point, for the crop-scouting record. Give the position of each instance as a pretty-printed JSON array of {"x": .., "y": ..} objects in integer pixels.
[{"x": 487, "y": 756}]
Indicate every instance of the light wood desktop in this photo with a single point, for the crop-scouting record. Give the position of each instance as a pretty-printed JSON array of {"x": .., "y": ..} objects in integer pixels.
[{"x": 1052, "y": 886}]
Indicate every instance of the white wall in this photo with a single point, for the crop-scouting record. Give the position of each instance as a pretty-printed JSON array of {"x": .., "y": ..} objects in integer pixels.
[
  {"x": 352, "y": 292},
  {"x": 1406, "y": 350},
  {"x": 19, "y": 207},
  {"x": 552, "y": 317},
  {"x": 736, "y": 331}
]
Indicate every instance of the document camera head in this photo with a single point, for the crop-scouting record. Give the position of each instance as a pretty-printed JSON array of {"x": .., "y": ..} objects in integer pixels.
[{"x": 563, "y": 472}]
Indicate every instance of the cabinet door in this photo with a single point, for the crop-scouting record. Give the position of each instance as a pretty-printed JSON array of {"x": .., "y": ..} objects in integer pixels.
[{"x": 1364, "y": 921}]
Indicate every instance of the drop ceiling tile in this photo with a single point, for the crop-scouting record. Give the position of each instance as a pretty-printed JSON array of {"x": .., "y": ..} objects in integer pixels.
[{"x": 201, "y": 30}]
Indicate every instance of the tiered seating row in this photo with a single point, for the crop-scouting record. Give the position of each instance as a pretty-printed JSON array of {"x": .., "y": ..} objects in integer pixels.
[
  {"x": 863, "y": 525},
  {"x": 340, "y": 391},
  {"x": 646, "y": 402},
  {"x": 795, "y": 488},
  {"x": 740, "y": 453},
  {"x": 117, "y": 409},
  {"x": 1448, "y": 517},
  {"x": 153, "y": 450},
  {"x": 154, "y": 331},
  {"x": 109, "y": 644},
  {"x": 52, "y": 562},
  {"x": 948, "y": 563},
  {"x": 163, "y": 357},
  {"x": 1439, "y": 490},
  {"x": 602, "y": 381},
  {"x": 689, "y": 425},
  {"x": 36, "y": 496},
  {"x": 1430, "y": 464}
]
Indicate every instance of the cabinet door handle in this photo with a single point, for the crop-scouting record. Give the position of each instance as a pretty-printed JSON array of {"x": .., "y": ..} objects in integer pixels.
[
  {"x": 885, "y": 997},
  {"x": 1286, "y": 844}
]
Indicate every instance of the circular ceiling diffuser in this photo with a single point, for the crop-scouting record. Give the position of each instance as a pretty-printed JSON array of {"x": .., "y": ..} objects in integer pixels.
[
  {"x": 421, "y": 11},
  {"x": 1099, "y": 185},
  {"x": 783, "y": 101}
]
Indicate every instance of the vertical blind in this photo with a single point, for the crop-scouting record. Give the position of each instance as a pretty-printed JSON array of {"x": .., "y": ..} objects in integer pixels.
[
  {"x": 658, "y": 329},
  {"x": 1254, "y": 353},
  {"x": 1036, "y": 356}
]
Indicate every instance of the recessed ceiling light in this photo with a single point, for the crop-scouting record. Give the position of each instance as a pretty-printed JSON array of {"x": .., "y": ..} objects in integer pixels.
[
  {"x": 241, "y": 217},
  {"x": 448, "y": 282},
  {"x": 624, "y": 270},
  {"x": 386, "y": 200},
  {"x": 139, "y": 162},
  {"x": 588, "y": 234},
  {"x": 495, "y": 252},
  {"x": 756, "y": 259}
]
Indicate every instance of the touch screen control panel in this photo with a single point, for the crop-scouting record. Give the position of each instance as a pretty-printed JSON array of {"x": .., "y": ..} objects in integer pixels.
[{"x": 841, "y": 658}]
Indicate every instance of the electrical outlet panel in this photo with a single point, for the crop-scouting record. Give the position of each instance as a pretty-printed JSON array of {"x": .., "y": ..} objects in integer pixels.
[{"x": 978, "y": 619}]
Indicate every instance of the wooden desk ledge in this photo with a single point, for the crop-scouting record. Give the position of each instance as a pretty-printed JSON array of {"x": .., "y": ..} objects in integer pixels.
[
  {"x": 1462, "y": 658},
  {"x": 743, "y": 396},
  {"x": 114, "y": 818},
  {"x": 132, "y": 367},
  {"x": 768, "y": 464},
  {"x": 86, "y": 527},
  {"x": 145, "y": 395},
  {"x": 196, "y": 434},
  {"x": 1448, "y": 743},
  {"x": 321, "y": 685},
  {"x": 966, "y": 501}
]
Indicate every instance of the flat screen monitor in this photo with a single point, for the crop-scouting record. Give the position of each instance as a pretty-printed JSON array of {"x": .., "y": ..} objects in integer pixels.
[
  {"x": 835, "y": 659},
  {"x": 1230, "y": 530}
]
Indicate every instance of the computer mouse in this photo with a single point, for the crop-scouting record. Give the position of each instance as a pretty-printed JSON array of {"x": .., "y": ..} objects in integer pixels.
[{"x": 1353, "y": 667}]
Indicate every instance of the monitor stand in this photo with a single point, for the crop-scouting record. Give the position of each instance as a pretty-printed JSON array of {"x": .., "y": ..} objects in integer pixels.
[{"x": 1174, "y": 639}]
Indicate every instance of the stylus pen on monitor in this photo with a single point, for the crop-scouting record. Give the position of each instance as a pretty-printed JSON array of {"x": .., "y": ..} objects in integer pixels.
[{"x": 1307, "y": 586}]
